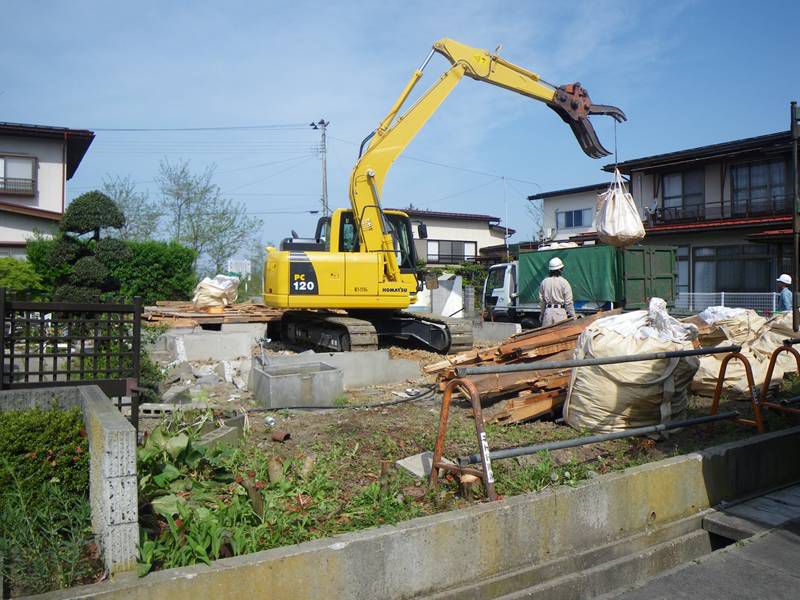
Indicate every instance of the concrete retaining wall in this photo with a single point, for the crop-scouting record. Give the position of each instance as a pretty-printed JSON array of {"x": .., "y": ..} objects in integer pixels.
[
  {"x": 441, "y": 551},
  {"x": 112, "y": 465}
]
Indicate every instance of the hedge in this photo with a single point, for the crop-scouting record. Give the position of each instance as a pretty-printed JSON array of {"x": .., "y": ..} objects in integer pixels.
[{"x": 156, "y": 271}]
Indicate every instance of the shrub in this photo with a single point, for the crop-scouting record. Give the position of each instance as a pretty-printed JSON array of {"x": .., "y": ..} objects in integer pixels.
[
  {"x": 88, "y": 272},
  {"x": 19, "y": 276},
  {"x": 92, "y": 211},
  {"x": 112, "y": 252},
  {"x": 156, "y": 271},
  {"x": 73, "y": 293},
  {"x": 52, "y": 259},
  {"x": 42, "y": 446}
]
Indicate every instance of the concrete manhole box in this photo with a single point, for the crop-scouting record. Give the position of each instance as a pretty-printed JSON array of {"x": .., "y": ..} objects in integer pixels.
[{"x": 308, "y": 384}]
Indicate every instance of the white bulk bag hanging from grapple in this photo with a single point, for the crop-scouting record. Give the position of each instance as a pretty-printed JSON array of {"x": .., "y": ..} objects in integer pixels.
[{"x": 616, "y": 218}]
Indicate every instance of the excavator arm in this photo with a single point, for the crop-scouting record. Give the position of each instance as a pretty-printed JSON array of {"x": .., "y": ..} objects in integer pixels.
[{"x": 394, "y": 133}]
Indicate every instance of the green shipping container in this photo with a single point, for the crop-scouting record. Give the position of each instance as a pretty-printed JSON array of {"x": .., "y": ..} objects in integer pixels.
[{"x": 601, "y": 274}]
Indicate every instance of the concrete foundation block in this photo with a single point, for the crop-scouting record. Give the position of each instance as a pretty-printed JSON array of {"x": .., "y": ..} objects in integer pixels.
[
  {"x": 304, "y": 384},
  {"x": 210, "y": 345},
  {"x": 359, "y": 369},
  {"x": 225, "y": 435},
  {"x": 486, "y": 331}
]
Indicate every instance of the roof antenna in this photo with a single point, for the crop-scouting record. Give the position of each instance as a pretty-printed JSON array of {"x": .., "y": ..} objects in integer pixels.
[{"x": 497, "y": 50}]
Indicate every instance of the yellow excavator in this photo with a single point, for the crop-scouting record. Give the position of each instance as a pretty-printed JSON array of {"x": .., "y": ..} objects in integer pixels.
[{"x": 347, "y": 287}]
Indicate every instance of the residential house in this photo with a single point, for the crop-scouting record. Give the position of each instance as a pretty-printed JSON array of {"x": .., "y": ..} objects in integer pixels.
[
  {"x": 568, "y": 212},
  {"x": 455, "y": 238},
  {"x": 727, "y": 208},
  {"x": 35, "y": 163}
]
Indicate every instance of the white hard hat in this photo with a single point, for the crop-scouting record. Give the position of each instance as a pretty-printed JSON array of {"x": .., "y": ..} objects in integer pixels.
[
  {"x": 785, "y": 279},
  {"x": 555, "y": 264}
]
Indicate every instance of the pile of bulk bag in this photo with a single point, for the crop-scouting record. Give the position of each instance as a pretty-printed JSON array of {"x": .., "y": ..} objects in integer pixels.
[
  {"x": 616, "y": 397},
  {"x": 616, "y": 217},
  {"x": 220, "y": 291},
  {"x": 758, "y": 337}
]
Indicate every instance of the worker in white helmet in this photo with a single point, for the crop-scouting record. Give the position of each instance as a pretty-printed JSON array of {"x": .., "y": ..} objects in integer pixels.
[
  {"x": 555, "y": 295},
  {"x": 784, "y": 285}
]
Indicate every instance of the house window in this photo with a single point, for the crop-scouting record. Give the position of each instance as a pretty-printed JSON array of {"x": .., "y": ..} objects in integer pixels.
[
  {"x": 451, "y": 252},
  {"x": 683, "y": 269},
  {"x": 16, "y": 175},
  {"x": 744, "y": 268},
  {"x": 759, "y": 188},
  {"x": 571, "y": 219},
  {"x": 684, "y": 194}
]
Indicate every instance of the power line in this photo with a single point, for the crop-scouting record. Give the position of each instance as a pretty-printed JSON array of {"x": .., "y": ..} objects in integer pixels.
[
  {"x": 273, "y": 174},
  {"x": 310, "y": 211},
  {"x": 444, "y": 165},
  {"x": 225, "y": 128}
]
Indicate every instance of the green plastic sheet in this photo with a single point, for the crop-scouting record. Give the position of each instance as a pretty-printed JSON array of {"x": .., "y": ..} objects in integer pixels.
[{"x": 594, "y": 272}]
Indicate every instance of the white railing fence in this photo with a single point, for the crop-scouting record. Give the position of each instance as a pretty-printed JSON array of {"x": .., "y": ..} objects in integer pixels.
[{"x": 761, "y": 302}]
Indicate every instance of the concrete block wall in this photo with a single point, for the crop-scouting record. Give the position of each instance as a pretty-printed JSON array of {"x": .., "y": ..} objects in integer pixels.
[
  {"x": 113, "y": 492},
  {"x": 439, "y": 552}
]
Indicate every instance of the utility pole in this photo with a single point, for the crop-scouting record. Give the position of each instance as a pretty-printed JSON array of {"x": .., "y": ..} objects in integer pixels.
[
  {"x": 795, "y": 129},
  {"x": 322, "y": 125}
]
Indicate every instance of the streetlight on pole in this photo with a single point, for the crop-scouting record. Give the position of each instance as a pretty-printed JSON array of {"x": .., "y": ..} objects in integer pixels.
[{"x": 322, "y": 125}]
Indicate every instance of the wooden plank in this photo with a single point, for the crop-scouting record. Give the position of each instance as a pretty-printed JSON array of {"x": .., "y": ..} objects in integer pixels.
[
  {"x": 550, "y": 349},
  {"x": 529, "y": 407}
]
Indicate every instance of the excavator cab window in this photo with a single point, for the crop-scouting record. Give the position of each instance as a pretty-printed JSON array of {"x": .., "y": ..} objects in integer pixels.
[
  {"x": 348, "y": 235},
  {"x": 404, "y": 242}
]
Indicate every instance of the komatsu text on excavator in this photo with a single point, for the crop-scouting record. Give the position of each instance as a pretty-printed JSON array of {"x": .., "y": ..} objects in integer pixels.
[{"x": 361, "y": 260}]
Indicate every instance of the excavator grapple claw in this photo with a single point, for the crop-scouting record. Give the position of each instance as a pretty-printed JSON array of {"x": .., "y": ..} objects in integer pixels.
[{"x": 572, "y": 103}]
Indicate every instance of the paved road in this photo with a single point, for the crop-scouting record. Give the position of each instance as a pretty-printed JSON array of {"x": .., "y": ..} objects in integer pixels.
[{"x": 764, "y": 566}]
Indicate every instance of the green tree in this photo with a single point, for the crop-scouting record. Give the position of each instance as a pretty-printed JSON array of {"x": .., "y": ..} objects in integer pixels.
[
  {"x": 91, "y": 212},
  {"x": 20, "y": 276},
  {"x": 142, "y": 215},
  {"x": 200, "y": 217}
]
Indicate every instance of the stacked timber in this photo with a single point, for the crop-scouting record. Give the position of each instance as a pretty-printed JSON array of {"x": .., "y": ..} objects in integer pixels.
[
  {"x": 186, "y": 314},
  {"x": 522, "y": 395}
]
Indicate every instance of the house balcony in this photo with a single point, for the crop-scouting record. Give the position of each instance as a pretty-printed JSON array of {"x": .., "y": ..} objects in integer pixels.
[
  {"x": 775, "y": 206},
  {"x": 17, "y": 185}
]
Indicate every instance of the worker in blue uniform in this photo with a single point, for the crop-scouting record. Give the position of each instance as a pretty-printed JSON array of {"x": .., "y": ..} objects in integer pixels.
[{"x": 784, "y": 289}]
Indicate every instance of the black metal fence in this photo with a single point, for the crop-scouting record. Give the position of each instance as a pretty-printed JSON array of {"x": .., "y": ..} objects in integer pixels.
[{"x": 46, "y": 344}]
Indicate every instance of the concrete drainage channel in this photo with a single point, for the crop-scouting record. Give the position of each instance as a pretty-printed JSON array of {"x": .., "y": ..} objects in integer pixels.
[{"x": 607, "y": 534}]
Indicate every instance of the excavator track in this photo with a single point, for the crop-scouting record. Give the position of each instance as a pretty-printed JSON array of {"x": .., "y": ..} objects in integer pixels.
[
  {"x": 328, "y": 331},
  {"x": 336, "y": 332}
]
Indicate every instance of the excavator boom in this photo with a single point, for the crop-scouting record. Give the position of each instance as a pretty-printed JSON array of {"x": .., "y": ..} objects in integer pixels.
[{"x": 571, "y": 102}]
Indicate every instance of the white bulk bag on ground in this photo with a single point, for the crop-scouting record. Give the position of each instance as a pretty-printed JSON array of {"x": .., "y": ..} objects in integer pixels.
[
  {"x": 758, "y": 338},
  {"x": 608, "y": 398},
  {"x": 771, "y": 336},
  {"x": 220, "y": 291},
  {"x": 616, "y": 217}
]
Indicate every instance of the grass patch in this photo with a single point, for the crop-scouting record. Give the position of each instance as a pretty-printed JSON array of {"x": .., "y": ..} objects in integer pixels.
[{"x": 45, "y": 517}]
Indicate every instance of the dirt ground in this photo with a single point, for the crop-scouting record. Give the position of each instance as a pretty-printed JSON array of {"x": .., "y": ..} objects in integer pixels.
[{"x": 375, "y": 434}]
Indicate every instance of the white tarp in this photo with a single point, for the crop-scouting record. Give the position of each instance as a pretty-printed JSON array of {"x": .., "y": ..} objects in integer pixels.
[
  {"x": 616, "y": 217},
  {"x": 220, "y": 291},
  {"x": 606, "y": 398}
]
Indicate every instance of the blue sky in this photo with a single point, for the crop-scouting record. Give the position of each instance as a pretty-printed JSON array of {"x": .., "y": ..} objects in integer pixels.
[{"x": 687, "y": 73}]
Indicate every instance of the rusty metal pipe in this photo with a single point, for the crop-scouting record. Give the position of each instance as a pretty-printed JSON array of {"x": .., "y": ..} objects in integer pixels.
[
  {"x": 589, "y": 362},
  {"x": 758, "y": 422},
  {"x": 596, "y": 439}
]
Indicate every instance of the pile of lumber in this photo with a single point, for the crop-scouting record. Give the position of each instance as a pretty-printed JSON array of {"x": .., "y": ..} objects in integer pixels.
[
  {"x": 523, "y": 395},
  {"x": 186, "y": 314}
]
